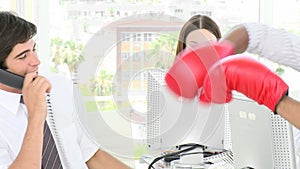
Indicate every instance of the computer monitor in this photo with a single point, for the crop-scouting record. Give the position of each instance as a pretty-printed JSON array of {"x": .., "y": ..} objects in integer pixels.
[
  {"x": 260, "y": 139},
  {"x": 172, "y": 120}
]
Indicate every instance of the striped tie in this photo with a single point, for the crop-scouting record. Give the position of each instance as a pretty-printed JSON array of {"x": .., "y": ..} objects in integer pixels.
[{"x": 50, "y": 158}]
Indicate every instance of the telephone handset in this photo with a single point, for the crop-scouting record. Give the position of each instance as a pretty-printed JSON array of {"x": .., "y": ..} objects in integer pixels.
[{"x": 11, "y": 79}]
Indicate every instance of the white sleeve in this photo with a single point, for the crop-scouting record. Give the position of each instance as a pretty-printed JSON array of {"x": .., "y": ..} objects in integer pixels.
[
  {"x": 87, "y": 146},
  {"x": 276, "y": 45},
  {"x": 86, "y": 142}
]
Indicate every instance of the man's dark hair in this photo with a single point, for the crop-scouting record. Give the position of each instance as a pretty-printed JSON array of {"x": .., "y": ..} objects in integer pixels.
[{"x": 13, "y": 30}]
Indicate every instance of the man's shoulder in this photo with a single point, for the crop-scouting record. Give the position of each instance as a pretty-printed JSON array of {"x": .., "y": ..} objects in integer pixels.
[{"x": 56, "y": 78}]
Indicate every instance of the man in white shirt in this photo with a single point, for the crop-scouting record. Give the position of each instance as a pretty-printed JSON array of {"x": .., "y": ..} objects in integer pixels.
[{"x": 22, "y": 125}]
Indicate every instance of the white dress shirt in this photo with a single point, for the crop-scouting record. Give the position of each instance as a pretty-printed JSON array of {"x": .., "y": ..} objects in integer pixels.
[{"x": 75, "y": 147}]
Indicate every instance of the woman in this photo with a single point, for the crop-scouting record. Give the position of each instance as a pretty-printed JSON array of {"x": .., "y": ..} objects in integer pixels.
[{"x": 197, "y": 29}]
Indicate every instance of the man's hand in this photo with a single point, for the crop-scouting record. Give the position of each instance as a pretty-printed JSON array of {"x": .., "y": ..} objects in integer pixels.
[{"x": 34, "y": 92}]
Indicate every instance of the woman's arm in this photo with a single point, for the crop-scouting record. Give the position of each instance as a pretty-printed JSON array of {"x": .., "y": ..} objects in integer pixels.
[
  {"x": 276, "y": 45},
  {"x": 239, "y": 37}
]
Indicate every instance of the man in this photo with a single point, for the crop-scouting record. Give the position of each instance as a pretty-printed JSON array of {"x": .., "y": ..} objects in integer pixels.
[{"x": 22, "y": 124}]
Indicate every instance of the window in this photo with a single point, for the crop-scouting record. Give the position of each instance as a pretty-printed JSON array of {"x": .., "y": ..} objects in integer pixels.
[
  {"x": 91, "y": 26},
  {"x": 124, "y": 56},
  {"x": 147, "y": 37},
  {"x": 178, "y": 10}
]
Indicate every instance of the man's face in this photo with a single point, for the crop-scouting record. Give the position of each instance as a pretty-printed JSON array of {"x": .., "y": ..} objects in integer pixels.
[{"x": 23, "y": 58}]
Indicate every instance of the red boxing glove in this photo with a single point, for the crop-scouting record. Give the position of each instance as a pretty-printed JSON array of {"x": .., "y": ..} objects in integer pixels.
[
  {"x": 246, "y": 76},
  {"x": 186, "y": 75}
]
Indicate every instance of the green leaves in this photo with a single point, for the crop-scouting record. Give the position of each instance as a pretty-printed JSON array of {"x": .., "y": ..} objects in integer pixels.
[{"x": 66, "y": 52}]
